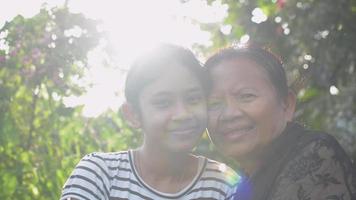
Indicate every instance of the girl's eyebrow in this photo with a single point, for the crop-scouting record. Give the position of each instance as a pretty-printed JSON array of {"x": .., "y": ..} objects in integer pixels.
[
  {"x": 161, "y": 94},
  {"x": 166, "y": 93}
]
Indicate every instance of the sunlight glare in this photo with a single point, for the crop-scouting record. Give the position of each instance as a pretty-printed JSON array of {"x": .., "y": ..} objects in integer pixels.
[
  {"x": 244, "y": 39},
  {"x": 134, "y": 27},
  {"x": 334, "y": 90},
  {"x": 226, "y": 29},
  {"x": 258, "y": 16}
]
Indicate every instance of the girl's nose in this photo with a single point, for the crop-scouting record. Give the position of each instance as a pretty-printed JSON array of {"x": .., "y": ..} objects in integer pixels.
[{"x": 181, "y": 111}]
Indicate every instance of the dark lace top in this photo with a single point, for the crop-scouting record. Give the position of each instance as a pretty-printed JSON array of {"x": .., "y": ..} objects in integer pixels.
[{"x": 302, "y": 165}]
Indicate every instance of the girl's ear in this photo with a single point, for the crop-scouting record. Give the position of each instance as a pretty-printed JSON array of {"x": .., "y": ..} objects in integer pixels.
[
  {"x": 290, "y": 105},
  {"x": 131, "y": 115}
]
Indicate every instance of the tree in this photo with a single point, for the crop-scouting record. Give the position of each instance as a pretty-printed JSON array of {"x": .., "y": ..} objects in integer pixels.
[{"x": 41, "y": 60}]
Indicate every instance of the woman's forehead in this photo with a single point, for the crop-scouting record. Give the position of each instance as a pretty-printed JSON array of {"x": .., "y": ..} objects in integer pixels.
[{"x": 239, "y": 66}]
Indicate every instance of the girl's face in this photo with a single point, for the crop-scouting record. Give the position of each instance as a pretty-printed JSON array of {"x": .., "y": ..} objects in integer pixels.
[
  {"x": 173, "y": 111},
  {"x": 245, "y": 112}
]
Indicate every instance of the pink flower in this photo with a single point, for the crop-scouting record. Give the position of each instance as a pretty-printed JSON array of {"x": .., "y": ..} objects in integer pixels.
[
  {"x": 13, "y": 53},
  {"x": 281, "y": 3}
]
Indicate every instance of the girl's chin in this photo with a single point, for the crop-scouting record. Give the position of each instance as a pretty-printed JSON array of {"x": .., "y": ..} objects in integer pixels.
[{"x": 182, "y": 148}]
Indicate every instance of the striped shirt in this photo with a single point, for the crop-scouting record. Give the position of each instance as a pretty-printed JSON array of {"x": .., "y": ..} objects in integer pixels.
[{"x": 112, "y": 176}]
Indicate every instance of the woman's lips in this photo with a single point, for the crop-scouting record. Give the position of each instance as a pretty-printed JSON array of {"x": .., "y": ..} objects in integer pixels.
[{"x": 236, "y": 133}]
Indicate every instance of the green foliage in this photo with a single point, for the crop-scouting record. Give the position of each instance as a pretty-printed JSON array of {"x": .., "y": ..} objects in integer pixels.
[{"x": 41, "y": 140}]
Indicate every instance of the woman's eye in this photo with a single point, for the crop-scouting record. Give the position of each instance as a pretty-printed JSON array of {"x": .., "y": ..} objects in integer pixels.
[{"x": 246, "y": 97}]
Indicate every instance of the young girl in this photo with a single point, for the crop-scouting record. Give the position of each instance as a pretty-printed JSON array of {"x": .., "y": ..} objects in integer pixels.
[{"x": 166, "y": 93}]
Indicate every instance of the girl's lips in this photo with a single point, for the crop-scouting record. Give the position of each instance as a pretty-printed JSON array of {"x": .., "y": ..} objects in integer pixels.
[{"x": 184, "y": 131}]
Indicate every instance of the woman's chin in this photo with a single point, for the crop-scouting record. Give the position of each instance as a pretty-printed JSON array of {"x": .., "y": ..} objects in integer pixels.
[{"x": 238, "y": 151}]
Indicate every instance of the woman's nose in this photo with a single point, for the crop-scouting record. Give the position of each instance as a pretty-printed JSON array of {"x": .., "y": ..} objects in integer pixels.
[{"x": 231, "y": 110}]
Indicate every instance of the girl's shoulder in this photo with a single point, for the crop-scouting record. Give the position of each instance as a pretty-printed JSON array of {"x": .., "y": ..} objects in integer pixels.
[
  {"x": 93, "y": 175},
  {"x": 109, "y": 163},
  {"x": 220, "y": 172},
  {"x": 121, "y": 156}
]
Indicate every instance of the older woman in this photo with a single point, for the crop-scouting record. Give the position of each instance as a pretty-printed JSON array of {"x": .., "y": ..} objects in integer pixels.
[{"x": 251, "y": 111}]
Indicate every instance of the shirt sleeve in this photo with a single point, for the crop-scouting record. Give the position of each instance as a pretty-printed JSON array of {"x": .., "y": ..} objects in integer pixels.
[
  {"x": 230, "y": 195},
  {"x": 89, "y": 180},
  {"x": 320, "y": 171}
]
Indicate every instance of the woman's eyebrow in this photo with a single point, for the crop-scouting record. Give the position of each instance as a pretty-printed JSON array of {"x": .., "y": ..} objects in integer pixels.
[{"x": 194, "y": 90}]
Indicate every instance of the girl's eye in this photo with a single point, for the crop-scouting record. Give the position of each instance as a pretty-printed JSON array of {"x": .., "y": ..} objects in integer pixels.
[
  {"x": 194, "y": 98},
  {"x": 161, "y": 103}
]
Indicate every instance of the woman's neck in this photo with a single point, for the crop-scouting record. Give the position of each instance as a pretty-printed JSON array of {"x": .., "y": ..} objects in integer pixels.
[
  {"x": 254, "y": 160},
  {"x": 251, "y": 162},
  {"x": 249, "y": 166}
]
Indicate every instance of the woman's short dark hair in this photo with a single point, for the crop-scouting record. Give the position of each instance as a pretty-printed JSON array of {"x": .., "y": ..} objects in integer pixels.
[
  {"x": 148, "y": 67},
  {"x": 262, "y": 56}
]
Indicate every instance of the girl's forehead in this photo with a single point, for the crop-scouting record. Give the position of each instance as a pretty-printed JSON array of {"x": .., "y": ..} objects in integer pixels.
[
  {"x": 173, "y": 73},
  {"x": 176, "y": 79}
]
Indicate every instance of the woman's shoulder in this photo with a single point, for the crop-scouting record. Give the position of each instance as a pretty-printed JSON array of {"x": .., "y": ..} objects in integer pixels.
[
  {"x": 317, "y": 151},
  {"x": 300, "y": 135},
  {"x": 319, "y": 145},
  {"x": 317, "y": 166},
  {"x": 300, "y": 140},
  {"x": 310, "y": 136}
]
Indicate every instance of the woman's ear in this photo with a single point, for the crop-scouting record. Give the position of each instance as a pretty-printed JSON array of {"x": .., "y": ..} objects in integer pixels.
[
  {"x": 290, "y": 103},
  {"x": 131, "y": 115}
]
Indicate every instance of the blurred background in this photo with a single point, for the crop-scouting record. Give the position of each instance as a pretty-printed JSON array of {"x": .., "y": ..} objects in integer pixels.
[{"x": 63, "y": 66}]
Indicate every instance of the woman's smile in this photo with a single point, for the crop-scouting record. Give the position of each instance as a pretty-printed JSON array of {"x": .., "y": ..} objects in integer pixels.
[{"x": 236, "y": 132}]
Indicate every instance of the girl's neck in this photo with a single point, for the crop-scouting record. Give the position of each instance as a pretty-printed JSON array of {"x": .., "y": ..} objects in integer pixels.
[
  {"x": 162, "y": 162},
  {"x": 165, "y": 171}
]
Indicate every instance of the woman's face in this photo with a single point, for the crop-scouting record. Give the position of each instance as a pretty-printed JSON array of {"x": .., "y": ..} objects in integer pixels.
[
  {"x": 173, "y": 110},
  {"x": 244, "y": 110}
]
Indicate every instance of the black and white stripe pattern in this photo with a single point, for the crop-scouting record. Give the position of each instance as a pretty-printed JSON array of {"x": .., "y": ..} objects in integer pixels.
[{"x": 112, "y": 176}]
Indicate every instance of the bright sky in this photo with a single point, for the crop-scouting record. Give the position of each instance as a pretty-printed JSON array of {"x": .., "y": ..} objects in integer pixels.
[{"x": 134, "y": 26}]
